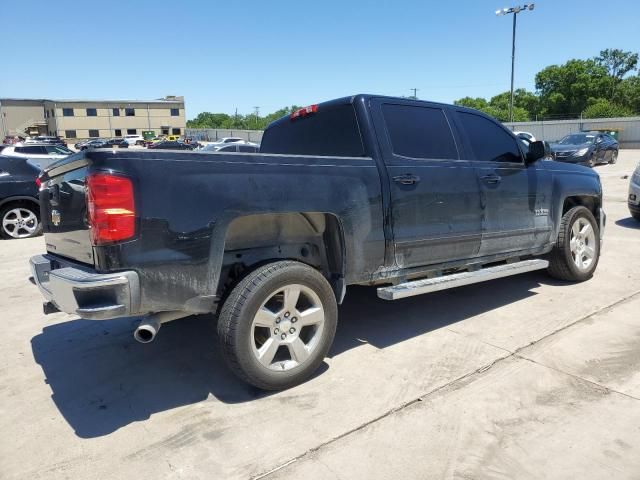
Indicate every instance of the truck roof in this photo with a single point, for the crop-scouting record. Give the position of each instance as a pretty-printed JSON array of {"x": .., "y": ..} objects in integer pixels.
[{"x": 364, "y": 97}]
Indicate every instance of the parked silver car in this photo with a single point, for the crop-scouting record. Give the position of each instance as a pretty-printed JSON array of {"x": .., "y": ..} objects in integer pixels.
[
  {"x": 41, "y": 154},
  {"x": 242, "y": 146}
]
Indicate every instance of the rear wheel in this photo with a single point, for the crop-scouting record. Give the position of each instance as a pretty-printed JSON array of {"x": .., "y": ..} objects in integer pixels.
[
  {"x": 19, "y": 221},
  {"x": 577, "y": 251},
  {"x": 277, "y": 325}
]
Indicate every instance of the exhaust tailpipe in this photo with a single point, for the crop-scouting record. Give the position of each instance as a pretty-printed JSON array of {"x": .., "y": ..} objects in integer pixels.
[
  {"x": 147, "y": 330},
  {"x": 149, "y": 327}
]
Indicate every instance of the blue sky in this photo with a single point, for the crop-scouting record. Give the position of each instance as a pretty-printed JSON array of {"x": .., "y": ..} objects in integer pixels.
[{"x": 227, "y": 55}]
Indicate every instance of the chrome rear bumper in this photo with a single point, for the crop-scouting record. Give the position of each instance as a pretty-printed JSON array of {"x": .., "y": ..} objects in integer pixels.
[{"x": 79, "y": 290}]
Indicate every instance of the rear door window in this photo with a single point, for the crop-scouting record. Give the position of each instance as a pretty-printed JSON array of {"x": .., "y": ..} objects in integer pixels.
[
  {"x": 419, "y": 132},
  {"x": 331, "y": 131},
  {"x": 489, "y": 142}
]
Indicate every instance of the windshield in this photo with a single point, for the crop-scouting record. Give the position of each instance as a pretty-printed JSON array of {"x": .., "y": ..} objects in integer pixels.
[
  {"x": 577, "y": 139},
  {"x": 57, "y": 150}
]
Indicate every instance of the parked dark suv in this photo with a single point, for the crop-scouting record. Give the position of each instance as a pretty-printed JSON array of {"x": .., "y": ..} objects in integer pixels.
[{"x": 19, "y": 205}]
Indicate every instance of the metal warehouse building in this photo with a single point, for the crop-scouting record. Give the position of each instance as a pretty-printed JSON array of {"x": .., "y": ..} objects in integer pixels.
[{"x": 79, "y": 119}]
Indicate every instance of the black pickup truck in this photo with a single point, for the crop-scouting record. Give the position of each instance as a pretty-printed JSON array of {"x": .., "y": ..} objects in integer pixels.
[{"x": 409, "y": 196}]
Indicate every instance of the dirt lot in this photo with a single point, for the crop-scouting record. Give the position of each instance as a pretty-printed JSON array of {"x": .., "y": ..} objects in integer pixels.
[{"x": 524, "y": 377}]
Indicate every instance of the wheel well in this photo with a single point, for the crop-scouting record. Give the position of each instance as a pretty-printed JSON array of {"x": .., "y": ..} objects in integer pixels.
[
  {"x": 15, "y": 202},
  {"x": 590, "y": 202},
  {"x": 313, "y": 238}
]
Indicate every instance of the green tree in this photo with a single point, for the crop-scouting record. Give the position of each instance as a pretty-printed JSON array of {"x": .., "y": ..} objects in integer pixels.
[
  {"x": 628, "y": 93},
  {"x": 240, "y": 122},
  {"x": 618, "y": 63},
  {"x": 522, "y": 98},
  {"x": 478, "y": 103},
  {"x": 208, "y": 120},
  {"x": 499, "y": 110},
  {"x": 566, "y": 89},
  {"x": 603, "y": 108}
]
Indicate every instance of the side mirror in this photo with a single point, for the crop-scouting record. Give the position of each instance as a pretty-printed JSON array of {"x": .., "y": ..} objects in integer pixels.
[
  {"x": 537, "y": 150},
  {"x": 599, "y": 140}
]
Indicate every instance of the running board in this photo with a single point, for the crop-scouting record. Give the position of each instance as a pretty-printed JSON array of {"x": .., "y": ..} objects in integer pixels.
[{"x": 428, "y": 285}]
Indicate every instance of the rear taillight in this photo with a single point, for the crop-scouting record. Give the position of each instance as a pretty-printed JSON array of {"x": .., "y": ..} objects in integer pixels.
[
  {"x": 111, "y": 208},
  {"x": 38, "y": 183}
]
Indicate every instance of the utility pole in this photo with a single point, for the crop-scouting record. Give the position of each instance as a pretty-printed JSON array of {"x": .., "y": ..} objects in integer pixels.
[
  {"x": 415, "y": 93},
  {"x": 515, "y": 11},
  {"x": 257, "y": 115}
]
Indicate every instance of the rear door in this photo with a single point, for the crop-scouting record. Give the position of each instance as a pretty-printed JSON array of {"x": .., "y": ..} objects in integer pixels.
[
  {"x": 515, "y": 197},
  {"x": 436, "y": 215}
]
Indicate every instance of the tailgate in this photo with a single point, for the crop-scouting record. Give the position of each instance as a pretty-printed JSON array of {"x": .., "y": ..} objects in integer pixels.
[{"x": 64, "y": 210}]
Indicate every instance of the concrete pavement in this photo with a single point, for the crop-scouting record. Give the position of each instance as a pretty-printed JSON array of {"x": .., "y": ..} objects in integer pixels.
[{"x": 523, "y": 377}]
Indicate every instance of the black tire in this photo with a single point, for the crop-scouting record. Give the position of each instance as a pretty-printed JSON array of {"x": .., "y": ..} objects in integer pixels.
[
  {"x": 592, "y": 161},
  {"x": 561, "y": 260},
  {"x": 636, "y": 216},
  {"x": 236, "y": 334},
  {"x": 614, "y": 157},
  {"x": 5, "y": 233}
]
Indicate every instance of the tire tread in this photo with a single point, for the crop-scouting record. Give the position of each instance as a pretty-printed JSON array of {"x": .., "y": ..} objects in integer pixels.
[{"x": 559, "y": 266}]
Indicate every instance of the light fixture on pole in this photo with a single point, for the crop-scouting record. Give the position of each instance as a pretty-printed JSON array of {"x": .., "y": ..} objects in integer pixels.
[{"x": 515, "y": 11}]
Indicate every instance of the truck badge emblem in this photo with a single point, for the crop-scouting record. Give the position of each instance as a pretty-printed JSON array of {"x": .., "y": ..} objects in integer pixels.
[{"x": 55, "y": 217}]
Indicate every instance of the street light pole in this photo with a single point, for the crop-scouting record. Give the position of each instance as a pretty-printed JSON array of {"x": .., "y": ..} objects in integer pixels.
[
  {"x": 513, "y": 64},
  {"x": 515, "y": 11}
]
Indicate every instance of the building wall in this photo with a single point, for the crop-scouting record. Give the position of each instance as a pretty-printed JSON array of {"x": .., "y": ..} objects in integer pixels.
[
  {"x": 148, "y": 116},
  {"x": 15, "y": 115},
  {"x": 48, "y": 115}
]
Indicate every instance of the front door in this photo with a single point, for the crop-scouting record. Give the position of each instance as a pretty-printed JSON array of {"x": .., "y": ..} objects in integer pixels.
[
  {"x": 435, "y": 202},
  {"x": 515, "y": 197}
]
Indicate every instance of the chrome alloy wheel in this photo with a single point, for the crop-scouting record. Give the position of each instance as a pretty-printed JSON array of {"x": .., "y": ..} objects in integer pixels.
[
  {"x": 20, "y": 223},
  {"x": 287, "y": 327},
  {"x": 582, "y": 244}
]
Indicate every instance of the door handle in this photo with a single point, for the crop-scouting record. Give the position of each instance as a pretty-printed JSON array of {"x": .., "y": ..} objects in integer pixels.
[
  {"x": 492, "y": 179},
  {"x": 406, "y": 179}
]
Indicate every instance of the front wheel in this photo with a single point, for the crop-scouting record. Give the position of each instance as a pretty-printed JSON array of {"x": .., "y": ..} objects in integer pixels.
[
  {"x": 577, "y": 251},
  {"x": 614, "y": 157},
  {"x": 277, "y": 325}
]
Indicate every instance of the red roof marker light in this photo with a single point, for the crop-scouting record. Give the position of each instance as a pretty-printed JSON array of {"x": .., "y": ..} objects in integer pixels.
[{"x": 303, "y": 112}]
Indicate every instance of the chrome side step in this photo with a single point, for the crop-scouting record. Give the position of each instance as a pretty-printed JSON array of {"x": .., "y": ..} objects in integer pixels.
[{"x": 428, "y": 285}]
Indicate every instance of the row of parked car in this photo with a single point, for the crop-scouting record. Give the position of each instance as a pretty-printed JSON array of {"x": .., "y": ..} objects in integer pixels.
[{"x": 227, "y": 144}]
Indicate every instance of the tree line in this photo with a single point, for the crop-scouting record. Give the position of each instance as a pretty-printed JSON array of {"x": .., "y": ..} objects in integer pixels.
[
  {"x": 601, "y": 87},
  {"x": 250, "y": 121},
  {"x": 607, "y": 85}
]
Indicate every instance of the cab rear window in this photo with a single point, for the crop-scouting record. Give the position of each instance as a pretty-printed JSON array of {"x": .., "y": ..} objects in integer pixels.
[{"x": 330, "y": 131}]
